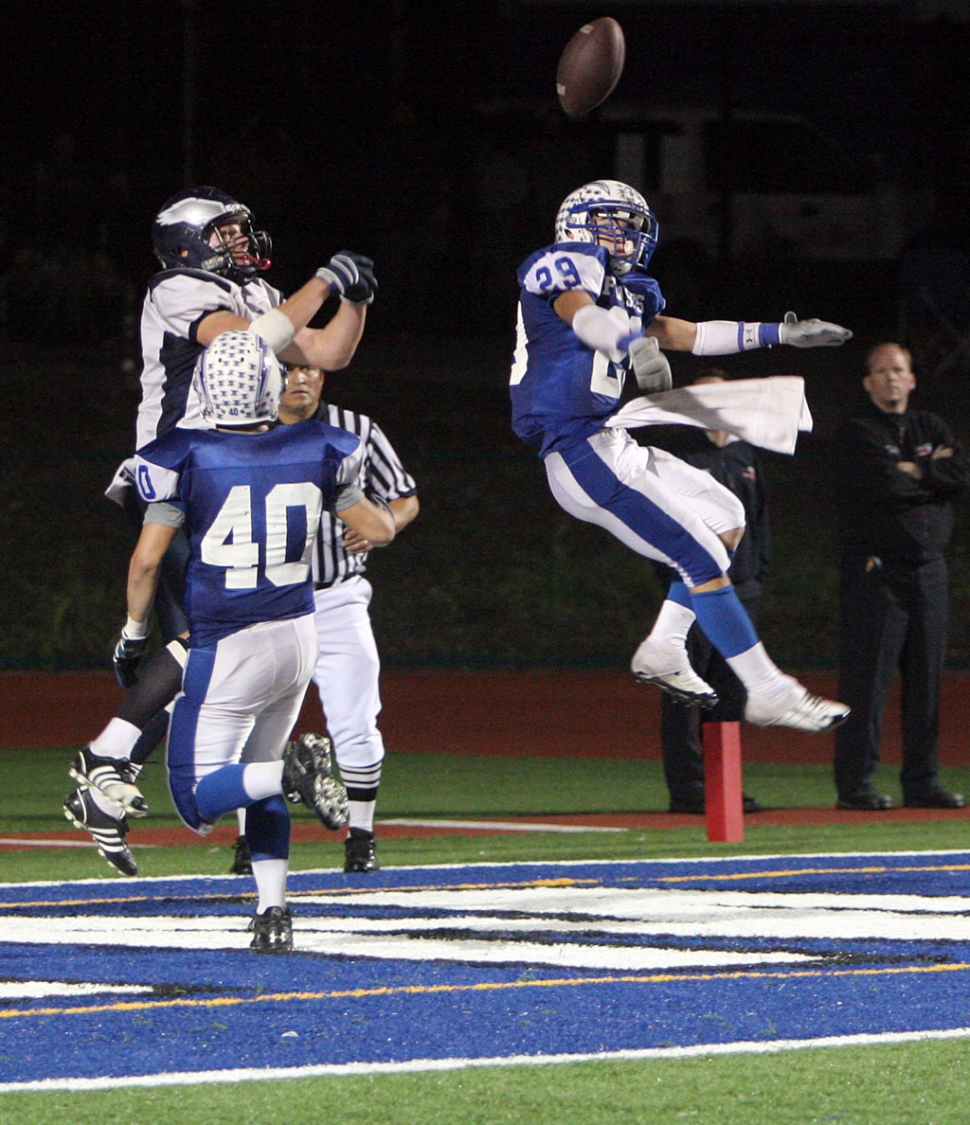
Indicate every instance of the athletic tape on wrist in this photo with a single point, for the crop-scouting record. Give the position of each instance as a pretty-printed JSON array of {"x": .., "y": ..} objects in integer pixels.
[
  {"x": 134, "y": 630},
  {"x": 329, "y": 277},
  {"x": 275, "y": 327}
]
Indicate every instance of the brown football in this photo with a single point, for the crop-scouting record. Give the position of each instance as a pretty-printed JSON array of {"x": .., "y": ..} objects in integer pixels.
[{"x": 590, "y": 66}]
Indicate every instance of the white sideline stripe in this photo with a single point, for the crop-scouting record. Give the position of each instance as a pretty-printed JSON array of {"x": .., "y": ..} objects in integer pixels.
[
  {"x": 17, "y": 842},
  {"x": 497, "y": 825},
  {"x": 418, "y": 1065},
  {"x": 720, "y": 860}
]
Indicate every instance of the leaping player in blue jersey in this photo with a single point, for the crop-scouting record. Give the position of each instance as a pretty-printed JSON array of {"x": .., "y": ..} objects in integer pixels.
[
  {"x": 250, "y": 498},
  {"x": 588, "y": 314}
]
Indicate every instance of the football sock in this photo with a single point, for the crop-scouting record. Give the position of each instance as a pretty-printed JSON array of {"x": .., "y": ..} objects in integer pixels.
[
  {"x": 268, "y": 834},
  {"x": 117, "y": 740},
  {"x": 674, "y": 619},
  {"x": 157, "y": 685},
  {"x": 361, "y": 814},
  {"x": 231, "y": 787},
  {"x": 725, "y": 622},
  {"x": 762, "y": 677},
  {"x": 362, "y": 783},
  {"x": 270, "y": 876},
  {"x": 155, "y": 731}
]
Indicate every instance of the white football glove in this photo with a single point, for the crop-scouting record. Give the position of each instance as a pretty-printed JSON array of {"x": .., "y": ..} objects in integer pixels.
[
  {"x": 649, "y": 365},
  {"x": 812, "y": 333}
]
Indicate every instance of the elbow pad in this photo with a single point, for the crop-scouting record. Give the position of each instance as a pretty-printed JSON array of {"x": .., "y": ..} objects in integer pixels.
[{"x": 604, "y": 331}]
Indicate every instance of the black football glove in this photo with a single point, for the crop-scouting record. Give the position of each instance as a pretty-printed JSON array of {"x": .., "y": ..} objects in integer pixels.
[
  {"x": 350, "y": 275},
  {"x": 362, "y": 291},
  {"x": 127, "y": 656}
]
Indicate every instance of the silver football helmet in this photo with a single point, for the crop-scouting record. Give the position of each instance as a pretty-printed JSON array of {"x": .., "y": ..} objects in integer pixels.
[
  {"x": 182, "y": 235},
  {"x": 238, "y": 380},
  {"x": 610, "y": 211}
]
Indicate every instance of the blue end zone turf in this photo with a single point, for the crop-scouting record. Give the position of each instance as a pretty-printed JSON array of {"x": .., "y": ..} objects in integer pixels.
[{"x": 154, "y": 978}]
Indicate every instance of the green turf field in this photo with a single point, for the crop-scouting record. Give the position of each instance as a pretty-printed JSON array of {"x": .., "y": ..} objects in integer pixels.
[{"x": 897, "y": 1083}]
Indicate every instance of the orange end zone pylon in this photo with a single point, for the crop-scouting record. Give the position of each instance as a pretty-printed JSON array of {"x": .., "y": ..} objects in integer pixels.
[{"x": 722, "y": 782}]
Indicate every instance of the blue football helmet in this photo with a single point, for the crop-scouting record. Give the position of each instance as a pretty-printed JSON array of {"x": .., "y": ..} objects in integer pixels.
[
  {"x": 238, "y": 380},
  {"x": 610, "y": 210},
  {"x": 183, "y": 230}
]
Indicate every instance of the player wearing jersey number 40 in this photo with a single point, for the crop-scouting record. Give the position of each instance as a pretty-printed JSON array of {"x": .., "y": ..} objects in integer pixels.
[
  {"x": 589, "y": 314},
  {"x": 250, "y": 497}
]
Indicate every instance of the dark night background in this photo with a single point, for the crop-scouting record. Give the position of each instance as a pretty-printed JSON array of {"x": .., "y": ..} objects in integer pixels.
[{"x": 429, "y": 136}]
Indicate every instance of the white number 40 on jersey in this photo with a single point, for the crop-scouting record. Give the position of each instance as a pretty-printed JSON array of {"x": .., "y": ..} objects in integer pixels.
[{"x": 229, "y": 541}]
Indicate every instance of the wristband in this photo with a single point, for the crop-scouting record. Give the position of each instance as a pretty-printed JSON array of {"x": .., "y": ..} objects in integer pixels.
[
  {"x": 134, "y": 630},
  {"x": 275, "y": 327},
  {"x": 724, "y": 337}
]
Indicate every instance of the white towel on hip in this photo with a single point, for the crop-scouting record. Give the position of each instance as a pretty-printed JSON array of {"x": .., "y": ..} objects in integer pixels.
[{"x": 769, "y": 413}]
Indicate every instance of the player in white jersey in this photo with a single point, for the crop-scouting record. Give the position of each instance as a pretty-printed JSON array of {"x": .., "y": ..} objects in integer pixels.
[
  {"x": 212, "y": 259},
  {"x": 588, "y": 313},
  {"x": 250, "y": 498}
]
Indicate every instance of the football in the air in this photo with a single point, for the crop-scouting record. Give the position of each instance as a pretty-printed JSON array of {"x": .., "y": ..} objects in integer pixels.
[{"x": 590, "y": 67}]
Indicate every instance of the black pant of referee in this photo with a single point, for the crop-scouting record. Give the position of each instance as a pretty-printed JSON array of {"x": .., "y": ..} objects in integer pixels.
[
  {"x": 895, "y": 616},
  {"x": 680, "y": 726}
]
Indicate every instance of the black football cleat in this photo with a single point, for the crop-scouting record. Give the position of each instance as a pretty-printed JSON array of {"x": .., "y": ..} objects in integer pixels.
[
  {"x": 308, "y": 779},
  {"x": 272, "y": 930},
  {"x": 108, "y": 831},
  {"x": 360, "y": 852},
  {"x": 112, "y": 776}
]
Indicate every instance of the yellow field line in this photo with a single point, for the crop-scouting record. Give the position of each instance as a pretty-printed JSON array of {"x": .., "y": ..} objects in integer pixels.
[
  {"x": 494, "y": 986},
  {"x": 795, "y": 871}
]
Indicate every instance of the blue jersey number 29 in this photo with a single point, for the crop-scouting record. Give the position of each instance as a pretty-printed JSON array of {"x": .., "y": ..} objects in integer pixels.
[{"x": 568, "y": 275}]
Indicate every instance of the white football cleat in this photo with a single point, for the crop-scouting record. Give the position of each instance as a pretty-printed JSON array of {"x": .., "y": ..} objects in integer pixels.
[
  {"x": 811, "y": 713},
  {"x": 672, "y": 673}
]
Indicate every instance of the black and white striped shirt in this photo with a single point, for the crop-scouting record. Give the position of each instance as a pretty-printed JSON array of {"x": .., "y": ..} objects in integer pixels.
[{"x": 382, "y": 476}]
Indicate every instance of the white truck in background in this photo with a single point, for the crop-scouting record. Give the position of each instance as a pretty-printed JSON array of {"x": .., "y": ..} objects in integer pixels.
[{"x": 755, "y": 184}]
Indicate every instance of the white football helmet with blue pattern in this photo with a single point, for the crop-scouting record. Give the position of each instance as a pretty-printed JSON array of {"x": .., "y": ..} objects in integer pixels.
[
  {"x": 238, "y": 380},
  {"x": 611, "y": 211}
]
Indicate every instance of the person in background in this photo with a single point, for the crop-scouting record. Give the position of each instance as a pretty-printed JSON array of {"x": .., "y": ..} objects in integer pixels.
[
  {"x": 897, "y": 474},
  {"x": 348, "y": 665},
  {"x": 735, "y": 464}
]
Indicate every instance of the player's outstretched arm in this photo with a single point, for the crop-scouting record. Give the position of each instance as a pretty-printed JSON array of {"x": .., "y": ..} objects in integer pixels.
[
  {"x": 332, "y": 347},
  {"x": 350, "y": 276},
  {"x": 725, "y": 337}
]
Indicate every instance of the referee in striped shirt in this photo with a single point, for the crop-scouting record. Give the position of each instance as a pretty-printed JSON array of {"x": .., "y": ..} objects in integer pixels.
[{"x": 348, "y": 666}]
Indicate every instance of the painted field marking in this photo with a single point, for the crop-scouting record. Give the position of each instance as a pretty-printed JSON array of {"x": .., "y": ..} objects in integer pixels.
[
  {"x": 482, "y": 964},
  {"x": 497, "y": 825}
]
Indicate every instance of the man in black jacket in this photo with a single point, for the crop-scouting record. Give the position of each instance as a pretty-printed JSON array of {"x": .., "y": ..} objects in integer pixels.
[
  {"x": 898, "y": 470},
  {"x": 735, "y": 464}
]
